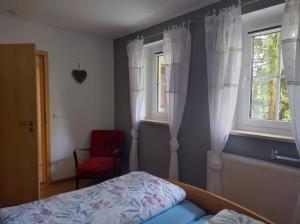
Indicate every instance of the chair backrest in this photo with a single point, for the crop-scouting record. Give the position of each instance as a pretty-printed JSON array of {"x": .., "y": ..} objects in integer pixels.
[{"x": 104, "y": 142}]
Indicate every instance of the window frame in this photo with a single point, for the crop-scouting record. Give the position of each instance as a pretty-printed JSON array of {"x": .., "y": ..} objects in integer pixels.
[
  {"x": 150, "y": 60},
  {"x": 278, "y": 77},
  {"x": 242, "y": 118}
]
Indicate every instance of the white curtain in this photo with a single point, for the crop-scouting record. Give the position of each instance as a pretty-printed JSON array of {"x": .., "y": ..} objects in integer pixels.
[
  {"x": 224, "y": 56},
  {"x": 136, "y": 83},
  {"x": 290, "y": 36},
  {"x": 177, "y": 51}
]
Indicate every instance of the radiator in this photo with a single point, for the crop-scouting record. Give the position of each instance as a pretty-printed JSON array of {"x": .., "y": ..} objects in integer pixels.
[{"x": 266, "y": 188}]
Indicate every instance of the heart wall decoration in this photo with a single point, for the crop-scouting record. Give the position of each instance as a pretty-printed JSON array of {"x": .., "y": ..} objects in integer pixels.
[{"x": 79, "y": 74}]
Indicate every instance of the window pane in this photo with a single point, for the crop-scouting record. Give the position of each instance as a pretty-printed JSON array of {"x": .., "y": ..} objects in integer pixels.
[
  {"x": 284, "y": 113},
  {"x": 269, "y": 100},
  {"x": 265, "y": 55},
  {"x": 263, "y": 99},
  {"x": 265, "y": 67},
  {"x": 161, "y": 84}
]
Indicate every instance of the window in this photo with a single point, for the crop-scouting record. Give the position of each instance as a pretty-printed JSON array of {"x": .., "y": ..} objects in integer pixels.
[
  {"x": 269, "y": 98},
  {"x": 262, "y": 99},
  {"x": 155, "y": 78}
]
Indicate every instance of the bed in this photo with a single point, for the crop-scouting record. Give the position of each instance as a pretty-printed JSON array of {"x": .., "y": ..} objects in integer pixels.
[
  {"x": 213, "y": 203},
  {"x": 134, "y": 198}
]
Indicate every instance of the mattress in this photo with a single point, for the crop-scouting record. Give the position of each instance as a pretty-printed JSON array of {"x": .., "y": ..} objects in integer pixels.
[
  {"x": 183, "y": 213},
  {"x": 202, "y": 220}
]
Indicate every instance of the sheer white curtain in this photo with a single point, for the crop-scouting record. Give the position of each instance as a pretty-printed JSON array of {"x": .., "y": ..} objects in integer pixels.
[
  {"x": 136, "y": 83},
  {"x": 290, "y": 35},
  {"x": 224, "y": 56},
  {"x": 177, "y": 51}
]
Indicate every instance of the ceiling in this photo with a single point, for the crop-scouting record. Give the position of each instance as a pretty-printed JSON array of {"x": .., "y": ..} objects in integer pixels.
[{"x": 106, "y": 18}]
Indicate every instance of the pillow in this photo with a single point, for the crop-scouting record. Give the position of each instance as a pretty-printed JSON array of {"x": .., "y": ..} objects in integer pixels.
[{"x": 227, "y": 216}]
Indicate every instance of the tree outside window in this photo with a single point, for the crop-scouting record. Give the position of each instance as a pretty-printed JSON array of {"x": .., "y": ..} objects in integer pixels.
[{"x": 269, "y": 97}]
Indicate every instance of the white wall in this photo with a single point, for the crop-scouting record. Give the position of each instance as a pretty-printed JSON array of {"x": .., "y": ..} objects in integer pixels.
[{"x": 79, "y": 108}]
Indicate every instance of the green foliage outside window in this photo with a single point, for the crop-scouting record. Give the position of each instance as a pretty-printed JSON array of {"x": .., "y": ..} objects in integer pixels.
[{"x": 269, "y": 97}]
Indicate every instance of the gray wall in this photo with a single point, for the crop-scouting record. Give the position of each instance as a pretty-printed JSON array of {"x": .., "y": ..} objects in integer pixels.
[
  {"x": 261, "y": 149},
  {"x": 194, "y": 132}
]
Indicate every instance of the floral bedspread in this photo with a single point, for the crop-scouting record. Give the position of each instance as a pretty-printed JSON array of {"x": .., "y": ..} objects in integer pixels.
[{"x": 132, "y": 198}]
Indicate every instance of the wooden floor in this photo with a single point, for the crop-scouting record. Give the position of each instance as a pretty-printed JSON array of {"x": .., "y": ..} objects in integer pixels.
[{"x": 63, "y": 186}]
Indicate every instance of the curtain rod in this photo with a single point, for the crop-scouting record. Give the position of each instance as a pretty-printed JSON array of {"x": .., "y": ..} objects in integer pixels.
[
  {"x": 158, "y": 33},
  {"x": 250, "y": 2},
  {"x": 265, "y": 29},
  {"x": 153, "y": 35},
  {"x": 149, "y": 36}
]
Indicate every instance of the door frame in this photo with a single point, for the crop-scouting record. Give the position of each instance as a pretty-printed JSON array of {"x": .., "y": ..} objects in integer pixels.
[{"x": 44, "y": 55}]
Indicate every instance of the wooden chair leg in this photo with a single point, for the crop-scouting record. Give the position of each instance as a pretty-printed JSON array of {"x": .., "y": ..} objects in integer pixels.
[{"x": 77, "y": 183}]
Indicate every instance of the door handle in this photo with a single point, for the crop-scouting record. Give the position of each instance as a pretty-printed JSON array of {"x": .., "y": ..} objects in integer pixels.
[{"x": 29, "y": 123}]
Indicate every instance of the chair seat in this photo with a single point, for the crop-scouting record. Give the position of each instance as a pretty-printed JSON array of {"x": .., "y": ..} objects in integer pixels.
[{"x": 97, "y": 167}]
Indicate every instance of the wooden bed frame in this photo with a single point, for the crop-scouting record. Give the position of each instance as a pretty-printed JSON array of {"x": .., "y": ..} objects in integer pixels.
[{"x": 213, "y": 203}]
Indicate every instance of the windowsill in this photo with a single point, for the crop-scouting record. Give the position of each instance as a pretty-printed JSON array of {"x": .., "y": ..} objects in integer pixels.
[
  {"x": 267, "y": 136},
  {"x": 149, "y": 121}
]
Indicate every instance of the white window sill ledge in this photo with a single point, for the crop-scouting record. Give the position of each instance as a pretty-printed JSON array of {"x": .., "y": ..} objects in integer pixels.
[
  {"x": 149, "y": 121},
  {"x": 267, "y": 136}
]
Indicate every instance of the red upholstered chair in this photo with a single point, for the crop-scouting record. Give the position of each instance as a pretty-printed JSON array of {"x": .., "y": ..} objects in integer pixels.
[{"x": 104, "y": 161}]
